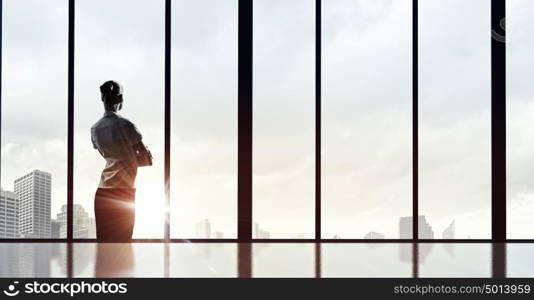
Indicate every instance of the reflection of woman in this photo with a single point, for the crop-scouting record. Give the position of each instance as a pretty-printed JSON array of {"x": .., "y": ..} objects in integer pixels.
[
  {"x": 114, "y": 260},
  {"x": 120, "y": 143}
]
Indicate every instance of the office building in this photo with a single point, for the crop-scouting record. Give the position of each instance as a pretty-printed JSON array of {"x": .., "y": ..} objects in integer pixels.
[
  {"x": 259, "y": 233},
  {"x": 405, "y": 228},
  {"x": 55, "y": 229},
  {"x": 448, "y": 233},
  {"x": 203, "y": 229},
  {"x": 34, "y": 194},
  {"x": 8, "y": 215},
  {"x": 83, "y": 226},
  {"x": 372, "y": 235}
]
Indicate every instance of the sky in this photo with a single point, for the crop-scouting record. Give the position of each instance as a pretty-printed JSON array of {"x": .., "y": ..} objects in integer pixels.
[
  {"x": 520, "y": 118},
  {"x": 204, "y": 116},
  {"x": 366, "y": 105},
  {"x": 284, "y": 117},
  {"x": 455, "y": 124},
  {"x": 366, "y": 121}
]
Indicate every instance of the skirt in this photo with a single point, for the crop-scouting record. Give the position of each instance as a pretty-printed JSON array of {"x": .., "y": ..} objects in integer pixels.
[{"x": 114, "y": 214}]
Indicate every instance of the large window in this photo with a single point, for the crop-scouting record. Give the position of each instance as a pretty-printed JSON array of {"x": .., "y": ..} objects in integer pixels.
[
  {"x": 454, "y": 119},
  {"x": 367, "y": 118},
  {"x": 34, "y": 117},
  {"x": 284, "y": 118},
  {"x": 390, "y": 125},
  {"x": 204, "y": 119},
  {"x": 520, "y": 118}
]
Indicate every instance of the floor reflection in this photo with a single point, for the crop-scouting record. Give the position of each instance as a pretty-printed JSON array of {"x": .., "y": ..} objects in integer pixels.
[
  {"x": 455, "y": 260},
  {"x": 114, "y": 260},
  {"x": 283, "y": 260},
  {"x": 118, "y": 260},
  {"x": 519, "y": 262},
  {"x": 367, "y": 260},
  {"x": 203, "y": 260},
  {"x": 265, "y": 260},
  {"x": 33, "y": 260}
]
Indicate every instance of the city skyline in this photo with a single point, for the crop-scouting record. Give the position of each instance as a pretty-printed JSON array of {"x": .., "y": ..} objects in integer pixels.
[
  {"x": 85, "y": 227},
  {"x": 25, "y": 212}
]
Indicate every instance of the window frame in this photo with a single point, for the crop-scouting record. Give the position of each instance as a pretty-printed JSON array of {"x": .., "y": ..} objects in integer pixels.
[{"x": 245, "y": 123}]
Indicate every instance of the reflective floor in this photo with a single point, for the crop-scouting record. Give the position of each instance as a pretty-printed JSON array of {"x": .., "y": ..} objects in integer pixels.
[{"x": 265, "y": 260}]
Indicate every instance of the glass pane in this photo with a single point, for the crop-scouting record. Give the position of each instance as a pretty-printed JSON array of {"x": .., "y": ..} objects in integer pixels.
[
  {"x": 454, "y": 118},
  {"x": 284, "y": 118},
  {"x": 204, "y": 119},
  {"x": 121, "y": 40},
  {"x": 367, "y": 118},
  {"x": 520, "y": 118},
  {"x": 34, "y": 117},
  {"x": 367, "y": 260}
]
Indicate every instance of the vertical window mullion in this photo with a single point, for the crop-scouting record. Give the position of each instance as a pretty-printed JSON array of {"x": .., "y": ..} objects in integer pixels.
[
  {"x": 498, "y": 138},
  {"x": 70, "y": 132},
  {"x": 415, "y": 120},
  {"x": 318, "y": 32},
  {"x": 244, "y": 183},
  {"x": 498, "y": 124},
  {"x": 167, "y": 162},
  {"x": 1, "y": 32},
  {"x": 70, "y": 139}
]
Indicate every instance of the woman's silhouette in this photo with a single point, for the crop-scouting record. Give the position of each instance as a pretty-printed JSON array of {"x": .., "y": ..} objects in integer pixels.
[{"x": 120, "y": 143}]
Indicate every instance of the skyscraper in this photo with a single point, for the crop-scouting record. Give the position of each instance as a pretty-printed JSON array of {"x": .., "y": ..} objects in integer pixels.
[
  {"x": 259, "y": 233},
  {"x": 372, "y": 235},
  {"x": 405, "y": 232},
  {"x": 203, "y": 229},
  {"x": 34, "y": 193},
  {"x": 448, "y": 233},
  {"x": 55, "y": 228},
  {"x": 405, "y": 228},
  {"x": 8, "y": 215},
  {"x": 83, "y": 225},
  {"x": 91, "y": 227}
]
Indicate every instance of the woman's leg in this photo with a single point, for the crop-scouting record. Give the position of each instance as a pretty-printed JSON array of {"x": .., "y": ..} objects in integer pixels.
[
  {"x": 114, "y": 214},
  {"x": 100, "y": 215}
]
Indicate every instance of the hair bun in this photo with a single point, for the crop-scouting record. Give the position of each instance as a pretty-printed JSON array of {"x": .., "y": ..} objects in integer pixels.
[{"x": 111, "y": 87}]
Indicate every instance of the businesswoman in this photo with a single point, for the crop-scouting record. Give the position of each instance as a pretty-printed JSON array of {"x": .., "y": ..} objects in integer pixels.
[{"x": 120, "y": 143}]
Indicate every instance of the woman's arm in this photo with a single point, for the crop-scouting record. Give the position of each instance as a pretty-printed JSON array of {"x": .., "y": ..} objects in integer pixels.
[{"x": 144, "y": 156}]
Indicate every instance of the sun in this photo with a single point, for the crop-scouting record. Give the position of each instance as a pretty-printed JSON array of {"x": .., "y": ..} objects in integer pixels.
[{"x": 149, "y": 211}]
